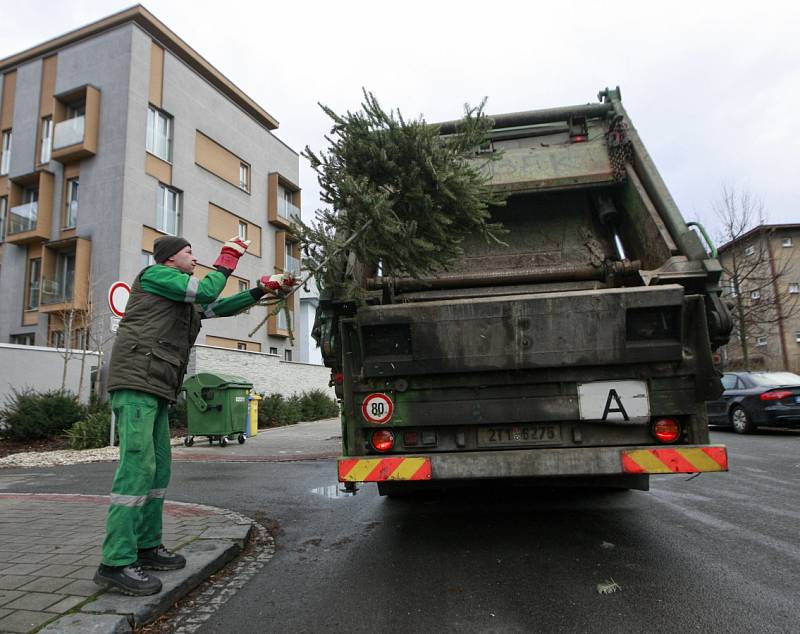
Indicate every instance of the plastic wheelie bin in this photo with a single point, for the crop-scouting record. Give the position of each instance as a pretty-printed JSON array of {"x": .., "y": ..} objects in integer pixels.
[{"x": 216, "y": 407}]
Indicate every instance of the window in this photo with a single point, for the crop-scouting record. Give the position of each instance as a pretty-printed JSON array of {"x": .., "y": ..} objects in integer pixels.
[
  {"x": 3, "y": 214},
  {"x": 27, "y": 339},
  {"x": 244, "y": 177},
  {"x": 5, "y": 152},
  {"x": 168, "y": 210},
  {"x": 80, "y": 338},
  {"x": 761, "y": 341},
  {"x": 34, "y": 275},
  {"x": 71, "y": 204},
  {"x": 287, "y": 355},
  {"x": 749, "y": 250},
  {"x": 733, "y": 287},
  {"x": 242, "y": 230},
  {"x": 729, "y": 381},
  {"x": 147, "y": 259},
  {"x": 241, "y": 346},
  {"x": 159, "y": 134},
  {"x": 755, "y": 295},
  {"x": 794, "y": 287},
  {"x": 273, "y": 350},
  {"x": 76, "y": 109},
  {"x": 57, "y": 339},
  {"x": 797, "y": 336},
  {"x": 242, "y": 286},
  {"x": 786, "y": 242},
  {"x": 65, "y": 276},
  {"x": 47, "y": 140}
]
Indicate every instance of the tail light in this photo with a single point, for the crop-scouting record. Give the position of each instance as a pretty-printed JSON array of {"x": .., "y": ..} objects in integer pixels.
[
  {"x": 666, "y": 430},
  {"x": 382, "y": 440},
  {"x": 776, "y": 395}
]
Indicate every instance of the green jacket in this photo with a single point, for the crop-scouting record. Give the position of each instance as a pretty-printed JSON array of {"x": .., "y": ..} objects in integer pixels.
[{"x": 161, "y": 324}]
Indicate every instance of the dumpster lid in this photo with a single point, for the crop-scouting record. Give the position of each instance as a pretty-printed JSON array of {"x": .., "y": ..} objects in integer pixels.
[{"x": 207, "y": 379}]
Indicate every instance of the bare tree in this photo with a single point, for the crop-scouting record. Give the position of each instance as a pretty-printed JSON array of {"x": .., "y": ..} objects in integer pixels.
[{"x": 753, "y": 278}]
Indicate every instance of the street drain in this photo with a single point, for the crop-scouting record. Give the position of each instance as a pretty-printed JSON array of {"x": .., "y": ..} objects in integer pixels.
[{"x": 332, "y": 491}]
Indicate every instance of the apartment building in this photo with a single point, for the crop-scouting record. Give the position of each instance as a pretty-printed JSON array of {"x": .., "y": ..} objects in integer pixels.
[
  {"x": 761, "y": 284},
  {"x": 112, "y": 135}
]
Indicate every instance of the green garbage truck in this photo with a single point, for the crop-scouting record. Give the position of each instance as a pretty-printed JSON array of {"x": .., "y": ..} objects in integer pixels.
[{"x": 579, "y": 352}]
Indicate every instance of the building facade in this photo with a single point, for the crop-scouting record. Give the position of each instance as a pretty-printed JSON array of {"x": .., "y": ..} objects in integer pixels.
[
  {"x": 115, "y": 134},
  {"x": 761, "y": 284}
]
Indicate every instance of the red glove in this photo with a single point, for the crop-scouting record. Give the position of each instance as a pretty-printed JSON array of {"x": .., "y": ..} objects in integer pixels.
[
  {"x": 231, "y": 251},
  {"x": 283, "y": 281}
]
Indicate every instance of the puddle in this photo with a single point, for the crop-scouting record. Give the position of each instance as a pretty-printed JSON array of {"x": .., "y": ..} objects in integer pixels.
[{"x": 332, "y": 491}]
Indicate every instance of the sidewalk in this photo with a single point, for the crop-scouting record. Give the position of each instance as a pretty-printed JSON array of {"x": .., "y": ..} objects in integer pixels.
[
  {"x": 50, "y": 543},
  {"x": 50, "y": 549}
]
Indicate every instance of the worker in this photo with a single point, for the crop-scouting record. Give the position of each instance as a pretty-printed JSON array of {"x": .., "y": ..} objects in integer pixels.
[{"x": 148, "y": 362}]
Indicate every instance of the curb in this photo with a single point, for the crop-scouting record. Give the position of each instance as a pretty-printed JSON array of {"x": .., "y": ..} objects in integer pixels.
[{"x": 112, "y": 613}]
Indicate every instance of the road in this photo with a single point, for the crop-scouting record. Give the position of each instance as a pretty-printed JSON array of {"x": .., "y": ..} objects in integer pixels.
[{"x": 716, "y": 553}]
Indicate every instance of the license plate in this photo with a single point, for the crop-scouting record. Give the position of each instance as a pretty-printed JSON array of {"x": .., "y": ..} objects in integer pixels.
[
  {"x": 614, "y": 401},
  {"x": 519, "y": 435}
]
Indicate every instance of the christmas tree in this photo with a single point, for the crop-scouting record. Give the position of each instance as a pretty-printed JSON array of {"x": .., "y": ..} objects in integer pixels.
[{"x": 401, "y": 197}]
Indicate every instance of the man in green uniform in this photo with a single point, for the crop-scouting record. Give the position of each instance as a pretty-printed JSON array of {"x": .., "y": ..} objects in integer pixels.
[{"x": 148, "y": 362}]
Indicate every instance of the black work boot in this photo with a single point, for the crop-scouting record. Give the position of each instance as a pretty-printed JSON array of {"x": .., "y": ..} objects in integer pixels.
[
  {"x": 159, "y": 558},
  {"x": 131, "y": 580}
]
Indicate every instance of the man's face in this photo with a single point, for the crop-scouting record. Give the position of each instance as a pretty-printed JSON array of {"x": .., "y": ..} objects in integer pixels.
[{"x": 183, "y": 260}]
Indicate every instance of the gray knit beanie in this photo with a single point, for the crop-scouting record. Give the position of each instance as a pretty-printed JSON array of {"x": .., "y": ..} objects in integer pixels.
[{"x": 167, "y": 246}]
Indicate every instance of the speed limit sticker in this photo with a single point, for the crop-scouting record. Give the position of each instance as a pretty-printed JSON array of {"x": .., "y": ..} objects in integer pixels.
[{"x": 377, "y": 408}]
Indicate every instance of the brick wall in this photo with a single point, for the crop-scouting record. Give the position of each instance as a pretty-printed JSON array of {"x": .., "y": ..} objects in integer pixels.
[{"x": 268, "y": 373}]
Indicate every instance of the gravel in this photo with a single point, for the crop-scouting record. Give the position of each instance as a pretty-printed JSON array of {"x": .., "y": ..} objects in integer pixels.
[{"x": 64, "y": 456}]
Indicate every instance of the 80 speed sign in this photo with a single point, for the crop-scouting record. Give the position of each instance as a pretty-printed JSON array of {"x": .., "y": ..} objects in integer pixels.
[{"x": 377, "y": 408}]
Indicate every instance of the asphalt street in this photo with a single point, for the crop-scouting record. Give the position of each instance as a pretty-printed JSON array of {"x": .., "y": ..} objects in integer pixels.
[{"x": 714, "y": 553}]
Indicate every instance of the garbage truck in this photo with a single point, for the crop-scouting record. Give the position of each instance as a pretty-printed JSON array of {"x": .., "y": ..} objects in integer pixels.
[{"x": 577, "y": 352}]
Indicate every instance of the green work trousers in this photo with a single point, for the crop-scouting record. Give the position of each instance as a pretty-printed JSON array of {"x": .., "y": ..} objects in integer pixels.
[{"x": 137, "y": 495}]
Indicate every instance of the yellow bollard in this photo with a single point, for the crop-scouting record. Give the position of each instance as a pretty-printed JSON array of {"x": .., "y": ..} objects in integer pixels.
[{"x": 254, "y": 400}]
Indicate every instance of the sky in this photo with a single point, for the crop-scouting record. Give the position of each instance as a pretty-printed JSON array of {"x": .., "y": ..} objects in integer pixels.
[{"x": 710, "y": 86}]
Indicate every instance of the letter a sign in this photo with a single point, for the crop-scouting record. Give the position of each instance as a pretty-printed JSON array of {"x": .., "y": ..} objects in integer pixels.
[{"x": 614, "y": 401}]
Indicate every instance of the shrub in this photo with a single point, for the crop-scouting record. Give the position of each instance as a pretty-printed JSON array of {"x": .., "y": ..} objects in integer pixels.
[
  {"x": 316, "y": 404},
  {"x": 275, "y": 410},
  {"x": 177, "y": 413},
  {"x": 31, "y": 415},
  {"x": 91, "y": 433}
]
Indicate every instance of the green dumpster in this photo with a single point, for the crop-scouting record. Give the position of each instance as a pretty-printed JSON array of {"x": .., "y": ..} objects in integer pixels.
[{"x": 216, "y": 407}]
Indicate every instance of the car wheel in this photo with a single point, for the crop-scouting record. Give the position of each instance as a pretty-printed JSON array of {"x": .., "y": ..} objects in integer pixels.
[{"x": 741, "y": 422}]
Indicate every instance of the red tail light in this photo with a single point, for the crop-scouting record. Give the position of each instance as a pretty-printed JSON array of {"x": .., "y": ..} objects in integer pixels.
[
  {"x": 382, "y": 440},
  {"x": 666, "y": 430},
  {"x": 775, "y": 395}
]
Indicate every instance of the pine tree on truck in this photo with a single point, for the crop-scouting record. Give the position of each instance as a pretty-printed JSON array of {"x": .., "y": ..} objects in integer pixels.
[{"x": 574, "y": 343}]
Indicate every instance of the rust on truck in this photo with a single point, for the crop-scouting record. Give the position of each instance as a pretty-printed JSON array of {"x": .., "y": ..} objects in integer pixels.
[{"x": 581, "y": 349}]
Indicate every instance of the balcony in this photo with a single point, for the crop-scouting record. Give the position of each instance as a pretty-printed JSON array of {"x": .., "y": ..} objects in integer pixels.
[
  {"x": 69, "y": 132},
  {"x": 23, "y": 218},
  {"x": 65, "y": 281},
  {"x": 283, "y": 201},
  {"x": 30, "y": 213},
  {"x": 278, "y": 325},
  {"x": 76, "y": 117}
]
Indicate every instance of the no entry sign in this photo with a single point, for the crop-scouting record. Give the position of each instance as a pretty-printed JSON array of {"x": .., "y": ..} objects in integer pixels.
[{"x": 118, "y": 294}]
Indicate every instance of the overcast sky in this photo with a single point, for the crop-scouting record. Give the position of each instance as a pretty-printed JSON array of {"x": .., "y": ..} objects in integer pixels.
[{"x": 711, "y": 86}]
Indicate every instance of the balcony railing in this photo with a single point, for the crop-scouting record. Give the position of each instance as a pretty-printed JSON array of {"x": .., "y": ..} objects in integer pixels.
[
  {"x": 282, "y": 323},
  {"x": 69, "y": 132},
  {"x": 23, "y": 218},
  {"x": 57, "y": 291},
  {"x": 291, "y": 265},
  {"x": 287, "y": 210}
]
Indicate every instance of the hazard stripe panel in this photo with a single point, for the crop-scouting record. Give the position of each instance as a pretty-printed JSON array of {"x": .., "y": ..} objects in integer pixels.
[
  {"x": 380, "y": 469},
  {"x": 675, "y": 460}
]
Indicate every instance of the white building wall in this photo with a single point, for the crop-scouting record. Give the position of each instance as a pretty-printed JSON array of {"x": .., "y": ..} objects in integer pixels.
[
  {"x": 41, "y": 368},
  {"x": 267, "y": 372}
]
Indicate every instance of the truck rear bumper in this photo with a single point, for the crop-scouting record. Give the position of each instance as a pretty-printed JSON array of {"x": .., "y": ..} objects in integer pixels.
[{"x": 588, "y": 461}]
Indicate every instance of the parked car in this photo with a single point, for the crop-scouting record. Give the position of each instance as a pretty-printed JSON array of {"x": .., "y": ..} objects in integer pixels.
[{"x": 751, "y": 399}]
